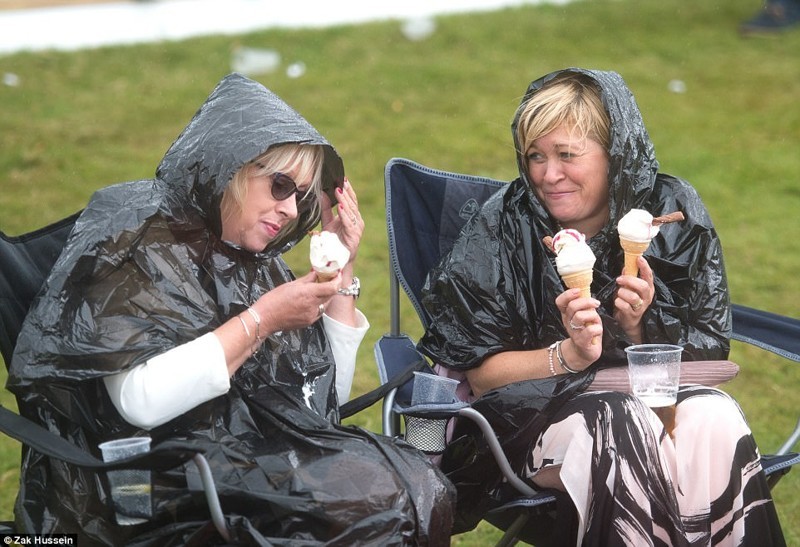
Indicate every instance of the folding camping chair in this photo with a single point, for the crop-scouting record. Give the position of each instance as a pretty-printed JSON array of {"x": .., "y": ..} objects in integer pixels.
[
  {"x": 25, "y": 262},
  {"x": 425, "y": 211}
]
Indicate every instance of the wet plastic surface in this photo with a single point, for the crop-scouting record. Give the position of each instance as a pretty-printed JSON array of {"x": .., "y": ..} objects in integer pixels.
[{"x": 145, "y": 270}]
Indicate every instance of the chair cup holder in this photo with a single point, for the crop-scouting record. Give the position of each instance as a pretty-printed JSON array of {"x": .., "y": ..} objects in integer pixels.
[{"x": 425, "y": 434}]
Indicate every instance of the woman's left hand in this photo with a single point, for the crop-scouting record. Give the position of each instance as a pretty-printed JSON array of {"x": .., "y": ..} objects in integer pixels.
[
  {"x": 347, "y": 223},
  {"x": 634, "y": 296}
]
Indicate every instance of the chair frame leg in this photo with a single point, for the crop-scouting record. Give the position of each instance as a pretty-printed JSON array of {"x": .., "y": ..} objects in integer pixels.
[
  {"x": 217, "y": 516},
  {"x": 510, "y": 537}
]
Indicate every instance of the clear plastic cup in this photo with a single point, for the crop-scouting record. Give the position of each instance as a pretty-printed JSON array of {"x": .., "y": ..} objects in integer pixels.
[
  {"x": 130, "y": 488},
  {"x": 431, "y": 388},
  {"x": 655, "y": 372}
]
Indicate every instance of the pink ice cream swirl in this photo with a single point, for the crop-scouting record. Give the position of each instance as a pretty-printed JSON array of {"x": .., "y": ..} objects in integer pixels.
[{"x": 572, "y": 252}]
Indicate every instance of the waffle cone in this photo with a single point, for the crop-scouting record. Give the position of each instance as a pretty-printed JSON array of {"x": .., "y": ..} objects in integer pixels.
[
  {"x": 579, "y": 280},
  {"x": 324, "y": 277},
  {"x": 633, "y": 250}
]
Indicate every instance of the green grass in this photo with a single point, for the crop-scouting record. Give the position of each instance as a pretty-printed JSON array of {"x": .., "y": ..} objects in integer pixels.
[{"x": 79, "y": 121}]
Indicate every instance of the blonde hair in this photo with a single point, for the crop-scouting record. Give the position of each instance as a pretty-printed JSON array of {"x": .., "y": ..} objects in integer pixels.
[
  {"x": 305, "y": 160},
  {"x": 570, "y": 100}
]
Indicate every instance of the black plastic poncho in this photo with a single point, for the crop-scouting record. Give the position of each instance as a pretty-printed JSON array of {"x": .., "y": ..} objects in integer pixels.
[
  {"x": 145, "y": 270},
  {"x": 496, "y": 289}
]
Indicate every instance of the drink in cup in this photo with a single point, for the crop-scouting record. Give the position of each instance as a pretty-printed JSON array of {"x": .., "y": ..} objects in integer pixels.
[
  {"x": 130, "y": 488},
  {"x": 654, "y": 371}
]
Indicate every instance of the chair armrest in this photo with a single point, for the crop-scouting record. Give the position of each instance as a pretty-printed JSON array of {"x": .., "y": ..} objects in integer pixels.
[
  {"x": 432, "y": 411},
  {"x": 707, "y": 373},
  {"x": 166, "y": 455}
]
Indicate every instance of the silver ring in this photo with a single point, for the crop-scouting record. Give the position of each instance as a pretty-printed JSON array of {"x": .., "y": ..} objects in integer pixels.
[
  {"x": 321, "y": 309},
  {"x": 638, "y": 305},
  {"x": 576, "y": 327}
]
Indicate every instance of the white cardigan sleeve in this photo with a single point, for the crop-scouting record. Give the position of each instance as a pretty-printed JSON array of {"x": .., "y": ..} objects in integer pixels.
[
  {"x": 170, "y": 384},
  {"x": 344, "y": 341}
]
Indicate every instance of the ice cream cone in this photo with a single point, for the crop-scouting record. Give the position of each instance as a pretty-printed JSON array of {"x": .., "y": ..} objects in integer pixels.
[
  {"x": 579, "y": 280},
  {"x": 327, "y": 255},
  {"x": 633, "y": 250}
]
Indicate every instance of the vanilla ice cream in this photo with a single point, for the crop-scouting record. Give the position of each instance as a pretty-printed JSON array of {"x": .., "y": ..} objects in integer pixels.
[
  {"x": 636, "y": 229},
  {"x": 637, "y": 225},
  {"x": 327, "y": 254}
]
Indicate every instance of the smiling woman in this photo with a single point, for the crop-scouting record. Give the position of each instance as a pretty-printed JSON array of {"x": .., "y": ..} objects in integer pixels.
[
  {"x": 529, "y": 349},
  {"x": 569, "y": 177}
]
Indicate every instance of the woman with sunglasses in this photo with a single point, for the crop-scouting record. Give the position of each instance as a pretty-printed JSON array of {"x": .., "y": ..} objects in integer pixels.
[{"x": 172, "y": 313}]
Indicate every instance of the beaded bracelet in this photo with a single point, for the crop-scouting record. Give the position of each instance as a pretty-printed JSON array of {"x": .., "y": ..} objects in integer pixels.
[
  {"x": 562, "y": 361},
  {"x": 550, "y": 351}
]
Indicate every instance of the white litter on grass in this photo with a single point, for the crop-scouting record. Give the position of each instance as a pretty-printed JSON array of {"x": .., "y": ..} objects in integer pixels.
[
  {"x": 677, "y": 86},
  {"x": 118, "y": 23},
  {"x": 296, "y": 70},
  {"x": 10, "y": 79},
  {"x": 251, "y": 61},
  {"x": 419, "y": 28}
]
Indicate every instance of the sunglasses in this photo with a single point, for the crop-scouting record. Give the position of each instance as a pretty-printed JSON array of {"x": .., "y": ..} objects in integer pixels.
[{"x": 283, "y": 187}]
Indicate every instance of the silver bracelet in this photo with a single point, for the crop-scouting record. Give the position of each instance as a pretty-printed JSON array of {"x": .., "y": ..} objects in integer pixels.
[
  {"x": 257, "y": 319},
  {"x": 550, "y": 351},
  {"x": 246, "y": 330},
  {"x": 562, "y": 361}
]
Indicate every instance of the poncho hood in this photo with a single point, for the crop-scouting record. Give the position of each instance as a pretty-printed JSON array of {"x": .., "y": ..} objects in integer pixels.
[{"x": 240, "y": 120}]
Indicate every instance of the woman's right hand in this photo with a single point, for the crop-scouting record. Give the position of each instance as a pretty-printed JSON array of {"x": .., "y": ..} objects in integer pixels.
[
  {"x": 295, "y": 304},
  {"x": 584, "y": 326}
]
